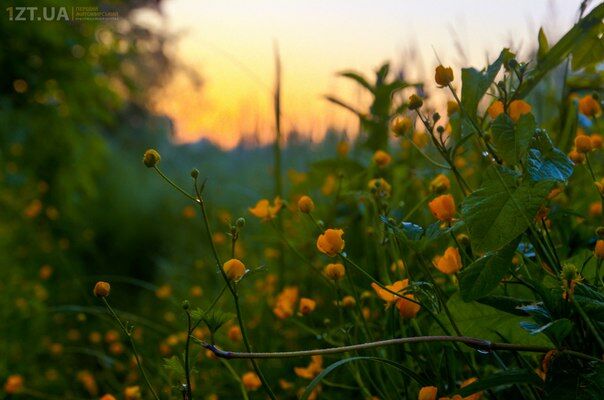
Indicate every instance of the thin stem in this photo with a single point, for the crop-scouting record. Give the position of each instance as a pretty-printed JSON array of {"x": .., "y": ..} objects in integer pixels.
[
  {"x": 217, "y": 297},
  {"x": 427, "y": 157},
  {"x": 416, "y": 207},
  {"x": 188, "y": 391},
  {"x": 593, "y": 177},
  {"x": 475, "y": 126},
  {"x": 475, "y": 343},
  {"x": 590, "y": 324},
  {"x": 174, "y": 185},
  {"x": 236, "y": 377},
  {"x": 133, "y": 346},
  {"x": 465, "y": 188},
  {"x": 234, "y": 294}
]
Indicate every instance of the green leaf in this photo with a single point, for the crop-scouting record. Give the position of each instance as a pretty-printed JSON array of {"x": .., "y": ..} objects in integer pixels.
[
  {"x": 476, "y": 83},
  {"x": 512, "y": 140},
  {"x": 546, "y": 162},
  {"x": 345, "y": 105},
  {"x": 214, "y": 319},
  {"x": 571, "y": 41},
  {"x": 508, "y": 377},
  {"x": 406, "y": 371},
  {"x": 483, "y": 275},
  {"x": 361, "y": 80},
  {"x": 543, "y": 44},
  {"x": 506, "y": 304},
  {"x": 589, "y": 51},
  {"x": 174, "y": 366},
  {"x": 501, "y": 209},
  {"x": 481, "y": 321}
]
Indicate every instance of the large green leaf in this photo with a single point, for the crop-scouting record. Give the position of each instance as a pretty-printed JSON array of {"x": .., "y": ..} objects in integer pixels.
[
  {"x": 360, "y": 79},
  {"x": 508, "y": 377},
  {"x": 512, "y": 139},
  {"x": 546, "y": 162},
  {"x": 572, "y": 41},
  {"x": 311, "y": 386},
  {"x": 590, "y": 50},
  {"x": 485, "y": 322},
  {"x": 501, "y": 209},
  {"x": 476, "y": 83},
  {"x": 506, "y": 304},
  {"x": 543, "y": 44},
  {"x": 483, "y": 275}
]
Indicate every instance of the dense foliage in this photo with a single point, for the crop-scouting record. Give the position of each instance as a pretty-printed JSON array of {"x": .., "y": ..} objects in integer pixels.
[{"x": 471, "y": 243}]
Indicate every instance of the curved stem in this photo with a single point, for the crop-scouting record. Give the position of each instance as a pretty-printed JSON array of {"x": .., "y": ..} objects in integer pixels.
[
  {"x": 475, "y": 343},
  {"x": 427, "y": 157},
  {"x": 174, "y": 185}
]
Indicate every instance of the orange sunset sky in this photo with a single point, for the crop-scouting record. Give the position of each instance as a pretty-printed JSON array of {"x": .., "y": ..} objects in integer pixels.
[{"x": 230, "y": 43}]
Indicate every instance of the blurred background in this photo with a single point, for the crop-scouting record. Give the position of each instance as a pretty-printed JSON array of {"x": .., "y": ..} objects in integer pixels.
[
  {"x": 82, "y": 98},
  {"x": 231, "y": 44}
]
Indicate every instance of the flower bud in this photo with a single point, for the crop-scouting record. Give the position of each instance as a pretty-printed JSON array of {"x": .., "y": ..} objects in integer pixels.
[
  {"x": 151, "y": 158},
  {"x": 600, "y": 231},
  {"x": 194, "y": 173},
  {"x": 583, "y": 144},
  {"x": 440, "y": 184},
  {"x": 240, "y": 222},
  {"x": 400, "y": 125},
  {"x": 576, "y": 157},
  {"x": 415, "y": 102},
  {"x": 101, "y": 289},
  {"x": 335, "y": 271},
  {"x": 234, "y": 269},
  {"x": 599, "y": 249},
  {"x": 463, "y": 239},
  {"x": 306, "y": 205},
  {"x": 185, "y": 305},
  {"x": 443, "y": 76}
]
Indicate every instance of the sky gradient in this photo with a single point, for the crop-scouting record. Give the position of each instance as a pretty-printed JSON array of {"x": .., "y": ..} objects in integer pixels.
[{"x": 231, "y": 45}]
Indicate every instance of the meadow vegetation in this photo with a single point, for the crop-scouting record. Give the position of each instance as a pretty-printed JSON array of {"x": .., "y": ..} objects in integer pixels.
[{"x": 453, "y": 255}]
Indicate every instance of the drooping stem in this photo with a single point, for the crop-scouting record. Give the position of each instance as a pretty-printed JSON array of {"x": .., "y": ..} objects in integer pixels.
[{"x": 475, "y": 343}]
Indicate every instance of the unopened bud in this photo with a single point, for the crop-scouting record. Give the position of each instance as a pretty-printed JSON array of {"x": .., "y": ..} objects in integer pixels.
[{"x": 415, "y": 102}]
